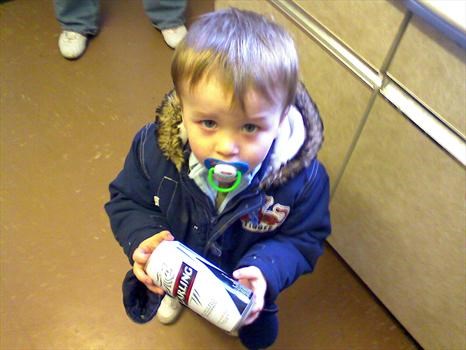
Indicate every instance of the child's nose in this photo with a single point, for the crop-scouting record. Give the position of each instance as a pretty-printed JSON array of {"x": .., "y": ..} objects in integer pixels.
[{"x": 226, "y": 147}]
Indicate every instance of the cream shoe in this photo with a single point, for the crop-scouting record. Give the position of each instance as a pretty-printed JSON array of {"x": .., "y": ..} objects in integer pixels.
[
  {"x": 71, "y": 44},
  {"x": 173, "y": 36},
  {"x": 169, "y": 310}
]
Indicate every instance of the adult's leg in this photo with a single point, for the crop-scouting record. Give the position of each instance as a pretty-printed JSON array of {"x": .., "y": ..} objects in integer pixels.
[
  {"x": 165, "y": 14},
  {"x": 80, "y": 16},
  {"x": 263, "y": 332}
]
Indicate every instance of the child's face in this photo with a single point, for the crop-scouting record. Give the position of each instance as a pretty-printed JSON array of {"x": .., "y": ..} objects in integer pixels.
[{"x": 216, "y": 129}]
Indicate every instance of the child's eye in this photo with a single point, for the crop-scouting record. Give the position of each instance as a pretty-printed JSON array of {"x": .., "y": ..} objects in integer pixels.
[
  {"x": 209, "y": 124},
  {"x": 250, "y": 128}
]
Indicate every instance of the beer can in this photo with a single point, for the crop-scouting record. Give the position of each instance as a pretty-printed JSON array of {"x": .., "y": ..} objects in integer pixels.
[{"x": 200, "y": 285}]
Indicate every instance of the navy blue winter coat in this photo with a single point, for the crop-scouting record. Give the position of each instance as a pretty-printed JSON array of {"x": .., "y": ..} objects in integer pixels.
[{"x": 278, "y": 223}]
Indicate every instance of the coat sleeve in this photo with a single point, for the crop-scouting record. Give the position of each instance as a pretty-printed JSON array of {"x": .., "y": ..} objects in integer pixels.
[
  {"x": 297, "y": 247},
  {"x": 133, "y": 215}
]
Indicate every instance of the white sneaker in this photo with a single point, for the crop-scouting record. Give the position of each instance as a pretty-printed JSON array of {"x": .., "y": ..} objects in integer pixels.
[
  {"x": 169, "y": 310},
  {"x": 71, "y": 44},
  {"x": 173, "y": 36}
]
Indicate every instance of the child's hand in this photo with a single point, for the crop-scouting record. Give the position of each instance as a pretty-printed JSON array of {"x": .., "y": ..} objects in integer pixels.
[
  {"x": 253, "y": 278},
  {"x": 141, "y": 255}
]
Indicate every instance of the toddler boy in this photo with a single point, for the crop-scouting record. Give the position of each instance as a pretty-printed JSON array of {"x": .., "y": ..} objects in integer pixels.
[{"x": 237, "y": 98}]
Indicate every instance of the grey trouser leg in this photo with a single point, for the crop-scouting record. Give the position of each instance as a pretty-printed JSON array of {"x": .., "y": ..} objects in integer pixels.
[
  {"x": 81, "y": 16},
  {"x": 165, "y": 14}
]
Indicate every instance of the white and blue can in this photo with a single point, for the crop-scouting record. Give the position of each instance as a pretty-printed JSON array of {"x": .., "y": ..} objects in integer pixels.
[{"x": 200, "y": 285}]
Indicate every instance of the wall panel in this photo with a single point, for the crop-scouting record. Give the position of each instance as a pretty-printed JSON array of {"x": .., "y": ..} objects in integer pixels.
[
  {"x": 434, "y": 68},
  {"x": 399, "y": 221}
]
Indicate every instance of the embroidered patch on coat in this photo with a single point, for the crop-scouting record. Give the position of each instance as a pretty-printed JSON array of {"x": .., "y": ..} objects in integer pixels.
[{"x": 270, "y": 217}]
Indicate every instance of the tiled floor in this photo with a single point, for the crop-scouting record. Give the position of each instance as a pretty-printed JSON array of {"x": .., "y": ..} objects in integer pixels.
[{"x": 65, "y": 129}]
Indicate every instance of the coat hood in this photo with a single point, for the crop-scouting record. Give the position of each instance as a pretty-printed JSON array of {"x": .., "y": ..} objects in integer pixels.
[{"x": 300, "y": 138}]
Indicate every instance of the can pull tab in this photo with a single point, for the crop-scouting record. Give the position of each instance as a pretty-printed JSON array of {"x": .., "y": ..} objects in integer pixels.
[{"x": 221, "y": 174}]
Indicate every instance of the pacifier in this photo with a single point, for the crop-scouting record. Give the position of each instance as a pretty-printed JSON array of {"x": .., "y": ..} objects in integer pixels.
[{"x": 221, "y": 172}]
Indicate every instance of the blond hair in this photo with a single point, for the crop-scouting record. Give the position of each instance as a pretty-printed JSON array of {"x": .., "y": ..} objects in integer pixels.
[{"x": 245, "y": 49}]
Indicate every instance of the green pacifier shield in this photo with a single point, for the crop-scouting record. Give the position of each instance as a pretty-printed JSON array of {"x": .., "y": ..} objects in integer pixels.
[{"x": 212, "y": 182}]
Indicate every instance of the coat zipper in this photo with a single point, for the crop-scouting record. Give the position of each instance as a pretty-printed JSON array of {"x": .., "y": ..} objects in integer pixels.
[{"x": 222, "y": 229}]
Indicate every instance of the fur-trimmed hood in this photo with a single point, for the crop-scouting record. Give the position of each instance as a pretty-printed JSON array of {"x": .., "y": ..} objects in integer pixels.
[{"x": 300, "y": 138}]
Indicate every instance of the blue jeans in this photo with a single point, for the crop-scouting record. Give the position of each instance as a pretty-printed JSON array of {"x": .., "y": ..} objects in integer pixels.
[{"x": 82, "y": 16}]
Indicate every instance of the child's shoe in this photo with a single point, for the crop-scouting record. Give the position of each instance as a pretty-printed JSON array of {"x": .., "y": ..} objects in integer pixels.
[
  {"x": 71, "y": 44},
  {"x": 169, "y": 310},
  {"x": 173, "y": 36}
]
